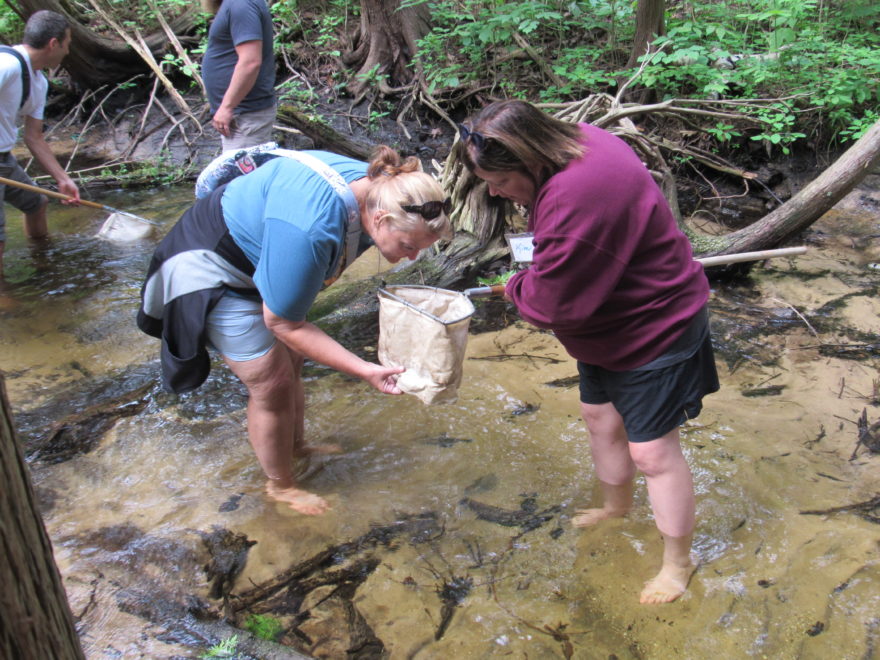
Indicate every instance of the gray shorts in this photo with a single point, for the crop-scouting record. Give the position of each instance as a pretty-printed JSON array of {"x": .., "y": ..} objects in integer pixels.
[
  {"x": 250, "y": 129},
  {"x": 24, "y": 200},
  {"x": 236, "y": 329}
]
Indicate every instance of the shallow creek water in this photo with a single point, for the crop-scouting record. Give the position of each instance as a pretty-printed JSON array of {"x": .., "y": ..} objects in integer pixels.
[{"x": 441, "y": 577}]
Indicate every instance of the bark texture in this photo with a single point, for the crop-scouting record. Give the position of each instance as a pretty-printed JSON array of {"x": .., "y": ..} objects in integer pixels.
[
  {"x": 650, "y": 24},
  {"x": 95, "y": 60},
  {"x": 36, "y": 623},
  {"x": 385, "y": 45},
  {"x": 324, "y": 136}
]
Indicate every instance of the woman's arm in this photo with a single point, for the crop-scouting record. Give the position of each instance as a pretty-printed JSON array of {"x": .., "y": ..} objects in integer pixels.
[{"x": 312, "y": 342}]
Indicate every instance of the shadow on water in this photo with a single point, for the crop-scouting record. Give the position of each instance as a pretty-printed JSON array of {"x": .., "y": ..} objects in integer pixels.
[{"x": 449, "y": 535}]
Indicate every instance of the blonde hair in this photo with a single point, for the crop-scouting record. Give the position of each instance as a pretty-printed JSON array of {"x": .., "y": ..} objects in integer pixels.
[{"x": 396, "y": 182}]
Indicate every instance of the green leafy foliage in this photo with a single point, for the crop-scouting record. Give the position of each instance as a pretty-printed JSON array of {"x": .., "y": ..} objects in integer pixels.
[
  {"x": 470, "y": 38},
  {"x": 225, "y": 649},
  {"x": 496, "y": 279},
  {"x": 11, "y": 26},
  {"x": 821, "y": 57},
  {"x": 264, "y": 626},
  {"x": 295, "y": 92},
  {"x": 824, "y": 58}
]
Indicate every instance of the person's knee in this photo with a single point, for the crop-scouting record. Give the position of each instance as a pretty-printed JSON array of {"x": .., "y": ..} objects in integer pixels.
[
  {"x": 272, "y": 392},
  {"x": 657, "y": 457},
  {"x": 602, "y": 420},
  {"x": 270, "y": 383}
]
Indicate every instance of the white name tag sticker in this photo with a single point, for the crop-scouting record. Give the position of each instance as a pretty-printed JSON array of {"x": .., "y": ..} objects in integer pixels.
[{"x": 521, "y": 247}]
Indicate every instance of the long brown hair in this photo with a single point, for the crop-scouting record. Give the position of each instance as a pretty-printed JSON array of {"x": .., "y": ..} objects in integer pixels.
[{"x": 515, "y": 135}]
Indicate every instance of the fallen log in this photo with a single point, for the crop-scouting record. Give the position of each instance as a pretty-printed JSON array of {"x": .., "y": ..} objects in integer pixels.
[{"x": 323, "y": 135}]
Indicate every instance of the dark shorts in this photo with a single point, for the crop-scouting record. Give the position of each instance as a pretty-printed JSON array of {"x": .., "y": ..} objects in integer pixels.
[
  {"x": 653, "y": 402},
  {"x": 24, "y": 200}
]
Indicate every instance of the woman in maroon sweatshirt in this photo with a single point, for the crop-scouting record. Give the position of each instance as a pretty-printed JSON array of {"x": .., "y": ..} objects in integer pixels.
[{"x": 614, "y": 278}]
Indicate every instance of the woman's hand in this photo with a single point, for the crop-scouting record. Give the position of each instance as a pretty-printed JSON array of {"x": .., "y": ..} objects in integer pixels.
[
  {"x": 309, "y": 340},
  {"x": 384, "y": 379}
]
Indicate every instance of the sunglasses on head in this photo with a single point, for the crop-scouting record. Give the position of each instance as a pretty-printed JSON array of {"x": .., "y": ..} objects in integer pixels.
[
  {"x": 430, "y": 210},
  {"x": 466, "y": 134}
]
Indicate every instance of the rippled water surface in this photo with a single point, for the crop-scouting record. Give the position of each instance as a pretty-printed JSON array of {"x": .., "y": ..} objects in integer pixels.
[{"x": 449, "y": 535}]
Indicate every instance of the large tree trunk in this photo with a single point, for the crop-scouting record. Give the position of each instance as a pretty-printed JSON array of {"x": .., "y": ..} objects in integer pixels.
[
  {"x": 385, "y": 45},
  {"x": 36, "y": 622},
  {"x": 809, "y": 204},
  {"x": 95, "y": 60},
  {"x": 650, "y": 24}
]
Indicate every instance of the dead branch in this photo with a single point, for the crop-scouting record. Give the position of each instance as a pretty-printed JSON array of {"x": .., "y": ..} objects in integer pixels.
[
  {"x": 701, "y": 156},
  {"x": 191, "y": 67},
  {"x": 139, "y": 45},
  {"x": 137, "y": 137},
  {"x": 801, "y": 316},
  {"x": 543, "y": 64},
  {"x": 861, "y": 508}
]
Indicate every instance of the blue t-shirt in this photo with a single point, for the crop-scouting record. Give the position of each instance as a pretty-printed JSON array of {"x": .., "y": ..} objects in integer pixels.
[
  {"x": 291, "y": 225},
  {"x": 236, "y": 22}
]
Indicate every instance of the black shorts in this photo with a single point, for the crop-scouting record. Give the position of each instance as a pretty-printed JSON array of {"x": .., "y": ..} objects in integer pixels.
[{"x": 653, "y": 402}]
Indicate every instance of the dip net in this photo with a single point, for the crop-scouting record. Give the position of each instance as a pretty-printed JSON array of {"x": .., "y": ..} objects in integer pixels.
[{"x": 424, "y": 329}]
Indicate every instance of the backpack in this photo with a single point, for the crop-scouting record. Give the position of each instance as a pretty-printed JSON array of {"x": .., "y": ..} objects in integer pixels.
[
  {"x": 225, "y": 167},
  {"x": 25, "y": 74}
]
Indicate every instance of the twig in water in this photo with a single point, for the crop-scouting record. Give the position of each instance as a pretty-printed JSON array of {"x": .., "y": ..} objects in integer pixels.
[
  {"x": 801, "y": 316},
  {"x": 510, "y": 356}
]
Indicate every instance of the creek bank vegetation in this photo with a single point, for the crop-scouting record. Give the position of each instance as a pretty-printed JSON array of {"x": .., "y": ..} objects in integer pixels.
[{"x": 708, "y": 95}]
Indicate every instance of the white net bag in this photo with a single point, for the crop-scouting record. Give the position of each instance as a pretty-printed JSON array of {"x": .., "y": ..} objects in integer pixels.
[{"x": 424, "y": 329}]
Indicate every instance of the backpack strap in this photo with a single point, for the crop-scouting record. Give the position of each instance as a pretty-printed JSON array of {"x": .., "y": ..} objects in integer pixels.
[
  {"x": 25, "y": 74},
  {"x": 353, "y": 228}
]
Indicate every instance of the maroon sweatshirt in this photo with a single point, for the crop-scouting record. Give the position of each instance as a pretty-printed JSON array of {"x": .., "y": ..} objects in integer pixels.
[{"x": 612, "y": 275}]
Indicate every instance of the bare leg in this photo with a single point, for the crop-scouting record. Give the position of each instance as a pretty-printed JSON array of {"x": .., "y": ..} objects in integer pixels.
[
  {"x": 671, "y": 491},
  {"x": 616, "y": 503},
  {"x": 614, "y": 466},
  {"x": 7, "y": 302},
  {"x": 272, "y": 424},
  {"x": 301, "y": 450},
  {"x": 35, "y": 224}
]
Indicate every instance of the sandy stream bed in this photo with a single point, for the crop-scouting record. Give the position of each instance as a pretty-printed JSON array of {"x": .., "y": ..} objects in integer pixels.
[{"x": 128, "y": 519}]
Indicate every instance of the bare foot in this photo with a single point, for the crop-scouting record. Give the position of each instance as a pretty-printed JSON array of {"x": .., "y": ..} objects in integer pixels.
[
  {"x": 670, "y": 583},
  {"x": 301, "y": 501},
  {"x": 587, "y": 517}
]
